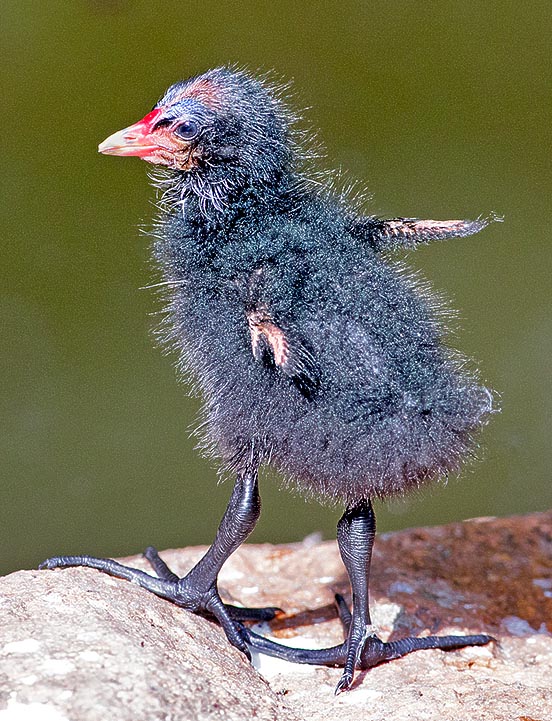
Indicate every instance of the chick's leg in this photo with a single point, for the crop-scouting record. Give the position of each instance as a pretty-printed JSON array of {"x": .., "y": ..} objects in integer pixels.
[
  {"x": 362, "y": 649},
  {"x": 197, "y": 591},
  {"x": 355, "y": 537}
]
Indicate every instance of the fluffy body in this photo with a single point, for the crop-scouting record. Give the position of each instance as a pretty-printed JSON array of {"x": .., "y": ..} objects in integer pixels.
[{"x": 373, "y": 403}]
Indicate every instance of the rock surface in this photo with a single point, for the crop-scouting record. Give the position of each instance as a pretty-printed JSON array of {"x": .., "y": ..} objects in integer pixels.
[{"x": 77, "y": 645}]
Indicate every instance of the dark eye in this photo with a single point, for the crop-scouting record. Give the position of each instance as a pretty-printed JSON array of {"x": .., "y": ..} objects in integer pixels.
[{"x": 187, "y": 130}]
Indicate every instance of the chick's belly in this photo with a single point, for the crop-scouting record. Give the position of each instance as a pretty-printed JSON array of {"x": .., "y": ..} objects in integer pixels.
[
  {"x": 335, "y": 454},
  {"x": 307, "y": 441}
]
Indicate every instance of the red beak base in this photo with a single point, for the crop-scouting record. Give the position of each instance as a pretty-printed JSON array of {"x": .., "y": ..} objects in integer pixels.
[{"x": 137, "y": 139}]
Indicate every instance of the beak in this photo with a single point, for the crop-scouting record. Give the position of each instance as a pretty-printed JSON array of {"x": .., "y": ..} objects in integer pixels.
[{"x": 137, "y": 139}]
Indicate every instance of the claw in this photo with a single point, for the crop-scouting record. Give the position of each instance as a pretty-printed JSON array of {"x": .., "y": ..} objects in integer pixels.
[{"x": 344, "y": 683}]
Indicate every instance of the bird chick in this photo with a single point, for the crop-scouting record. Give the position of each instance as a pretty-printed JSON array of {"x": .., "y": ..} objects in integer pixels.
[{"x": 311, "y": 349}]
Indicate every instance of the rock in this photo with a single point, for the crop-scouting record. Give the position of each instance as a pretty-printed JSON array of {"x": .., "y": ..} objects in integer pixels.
[{"x": 77, "y": 645}]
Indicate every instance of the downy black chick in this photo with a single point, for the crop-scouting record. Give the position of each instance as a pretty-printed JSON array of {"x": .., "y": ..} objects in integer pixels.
[{"x": 312, "y": 350}]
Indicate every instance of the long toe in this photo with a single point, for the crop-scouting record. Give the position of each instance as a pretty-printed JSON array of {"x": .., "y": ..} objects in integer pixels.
[
  {"x": 376, "y": 651},
  {"x": 160, "y": 586},
  {"x": 344, "y": 612},
  {"x": 159, "y": 565},
  {"x": 237, "y": 613},
  {"x": 334, "y": 656},
  {"x": 235, "y": 632}
]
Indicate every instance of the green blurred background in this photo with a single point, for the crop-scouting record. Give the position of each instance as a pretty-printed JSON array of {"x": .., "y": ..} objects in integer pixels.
[{"x": 443, "y": 110}]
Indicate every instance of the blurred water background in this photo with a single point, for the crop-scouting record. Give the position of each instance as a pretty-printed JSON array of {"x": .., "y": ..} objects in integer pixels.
[{"x": 442, "y": 109}]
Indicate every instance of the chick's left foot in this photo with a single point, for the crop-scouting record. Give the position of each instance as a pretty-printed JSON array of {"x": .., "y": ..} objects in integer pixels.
[{"x": 366, "y": 649}]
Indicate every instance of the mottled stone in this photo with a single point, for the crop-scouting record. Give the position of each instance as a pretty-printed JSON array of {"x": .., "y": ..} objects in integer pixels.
[{"x": 76, "y": 644}]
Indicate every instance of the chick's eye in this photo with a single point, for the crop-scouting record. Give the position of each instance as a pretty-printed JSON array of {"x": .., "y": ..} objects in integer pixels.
[{"x": 187, "y": 130}]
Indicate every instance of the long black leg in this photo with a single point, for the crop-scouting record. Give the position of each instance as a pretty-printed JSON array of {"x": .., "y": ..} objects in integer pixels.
[
  {"x": 197, "y": 591},
  {"x": 362, "y": 648},
  {"x": 355, "y": 537}
]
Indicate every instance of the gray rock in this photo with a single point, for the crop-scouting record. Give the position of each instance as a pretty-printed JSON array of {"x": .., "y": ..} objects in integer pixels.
[{"x": 77, "y": 645}]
